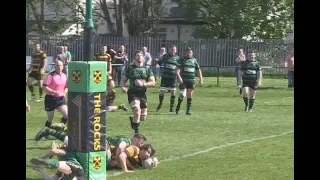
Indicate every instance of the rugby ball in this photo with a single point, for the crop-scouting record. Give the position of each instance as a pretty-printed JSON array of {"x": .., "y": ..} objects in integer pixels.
[{"x": 148, "y": 163}]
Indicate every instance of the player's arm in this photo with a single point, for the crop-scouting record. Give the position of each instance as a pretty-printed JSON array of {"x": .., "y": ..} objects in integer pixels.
[
  {"x": 43, "y": 63},
  {"x": 123, "y": 82},
  {"x": 121, "y": 147},
  {"x": 199, "y": 72},
  {"x": 30, "y": 69},
  {"x": 159, "y": 62},
  {"x": 66, "y": 88},
  {"x": 178, "y": 72},
  {"x": 123, "y": 158},
  {"x": 240, "y": 73},
  {"x": 151, "y": 81},
  {"x": 259, "y": 75}
]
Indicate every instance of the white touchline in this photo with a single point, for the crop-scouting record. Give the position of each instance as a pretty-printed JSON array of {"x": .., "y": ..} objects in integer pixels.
[{"x": 214, "y": 148}]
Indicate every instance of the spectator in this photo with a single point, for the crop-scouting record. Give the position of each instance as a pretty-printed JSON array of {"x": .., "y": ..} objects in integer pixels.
[
  {"x": 289, "y": 64},
  {"x": 147, "y": 57}
]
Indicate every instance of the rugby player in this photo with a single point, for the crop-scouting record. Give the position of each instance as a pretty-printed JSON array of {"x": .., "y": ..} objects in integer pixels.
[
  {"x": 140, "y": 78},
  {"x": 251, "y": 79},
  {"x": 168, "y": 76},
  {"x": 186, "y": 71},
  {"x": 36, "y": 72}
]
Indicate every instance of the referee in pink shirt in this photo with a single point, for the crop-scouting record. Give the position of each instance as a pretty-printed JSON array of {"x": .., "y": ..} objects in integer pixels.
[{"x": 56, "y": 87}]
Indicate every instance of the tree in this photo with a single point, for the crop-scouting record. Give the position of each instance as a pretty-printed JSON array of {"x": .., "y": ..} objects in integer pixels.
[
  {"x": 265, "y": 19},
  {"x": 140, "y": 16},
  {"x": 38, "y": 9}
]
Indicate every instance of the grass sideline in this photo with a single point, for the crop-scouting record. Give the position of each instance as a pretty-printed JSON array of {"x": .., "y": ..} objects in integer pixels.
[{"x": 183, "y": 143}]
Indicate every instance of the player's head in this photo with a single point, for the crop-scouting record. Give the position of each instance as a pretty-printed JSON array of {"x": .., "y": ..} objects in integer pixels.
[
  {"x": 139, "y": 56},
  {"x": 146, "y": 151},
  {"x": 104, "y": 49},
  {"x": 251, "y": 56},
  {"x": 173, "y": 49},
  {"x": 138, "y": 139},
  {"x": 37, "y": 46},
  {"x": 59, "y": 66},
  {"x": 188, "y": 52},
  {"x": 65, "y": 47}
]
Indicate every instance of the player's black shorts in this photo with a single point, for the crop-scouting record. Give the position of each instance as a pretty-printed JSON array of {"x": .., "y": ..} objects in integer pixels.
[
  {"x": 141, "y": 96},
  {"x": 36, "y": 75},
  {"x": 51, "y": 102},
  {"x": 187, "y": 85},
  {"x": 172, "y": 83},
  {"x": 250, "y": 84}
]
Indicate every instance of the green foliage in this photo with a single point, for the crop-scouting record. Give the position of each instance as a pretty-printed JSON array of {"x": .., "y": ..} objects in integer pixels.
[{"x": 260, "y": 19}]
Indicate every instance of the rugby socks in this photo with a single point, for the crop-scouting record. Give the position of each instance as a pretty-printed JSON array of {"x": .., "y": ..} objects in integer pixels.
[
  {"x": 47, "y": 124},
  {"x": 40, "y": 92},
  {"x": 178, "y": 106},
  {"x": 172, "y": 98},
  {"x": 161, "y": 99},
  {"x": 160, "y": 102},
  {"x": 251, "y": 102},
  {"x": 136, "y": 127},
  {"x": 179, "y": 102},
  {"x": 31, "y": 90},
  {"x": 61, "y": 135},
  {"x": 245, "y": 100},
  {"x": 189, "y": 102}
]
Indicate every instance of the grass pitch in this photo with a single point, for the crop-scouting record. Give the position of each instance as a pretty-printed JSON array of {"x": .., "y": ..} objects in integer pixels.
[{"x": 218, "y": 141}]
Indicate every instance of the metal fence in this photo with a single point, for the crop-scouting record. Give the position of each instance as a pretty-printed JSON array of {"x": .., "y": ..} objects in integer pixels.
[{"x": 210, "y": 53}]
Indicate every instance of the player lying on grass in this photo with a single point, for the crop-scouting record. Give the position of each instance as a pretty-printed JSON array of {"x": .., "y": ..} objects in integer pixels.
[
  {"x": 117, "y": 144},
  {"x": 67, "y": 169},
  {"x": 133, "y": 157}
]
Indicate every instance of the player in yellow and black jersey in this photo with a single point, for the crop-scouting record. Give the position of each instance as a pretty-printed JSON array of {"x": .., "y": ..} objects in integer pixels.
[
  {"x": 104, "y": 56},
  {"x": 132, "y": 156},
  {"x": 36, "y": 72}
]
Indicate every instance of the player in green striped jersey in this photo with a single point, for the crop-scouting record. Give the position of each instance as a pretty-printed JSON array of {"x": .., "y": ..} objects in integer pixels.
[
  {"x": 168, "y": 76},
  {"x": 251, "y": 79},
  {"x": 186, "y": 70},
  {"x": 140, "y": 77}
]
